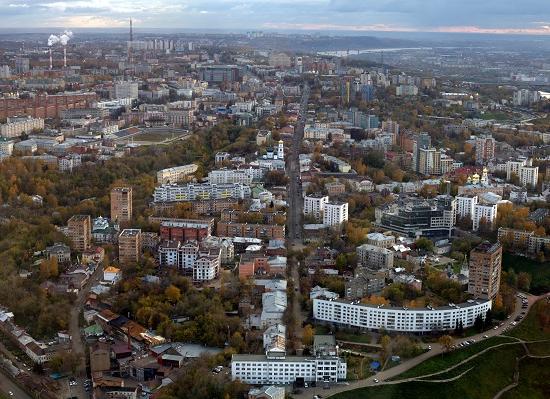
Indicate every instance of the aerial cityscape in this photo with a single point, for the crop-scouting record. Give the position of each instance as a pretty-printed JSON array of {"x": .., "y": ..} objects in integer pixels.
[{"x": 274, "y": 199}]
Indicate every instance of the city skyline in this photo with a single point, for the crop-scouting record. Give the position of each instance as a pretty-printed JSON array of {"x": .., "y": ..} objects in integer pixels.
[{"x": 468, "y": 16}]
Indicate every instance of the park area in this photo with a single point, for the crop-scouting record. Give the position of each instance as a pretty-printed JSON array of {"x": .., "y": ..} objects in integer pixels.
[{"x": 517, "y": 364}]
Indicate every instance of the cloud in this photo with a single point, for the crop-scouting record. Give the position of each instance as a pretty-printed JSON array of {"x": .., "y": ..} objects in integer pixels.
[{"x": 354, "y": 15}]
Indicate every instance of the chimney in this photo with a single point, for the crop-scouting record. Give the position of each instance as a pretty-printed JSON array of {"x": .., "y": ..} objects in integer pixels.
[
  {"x": 64, "y": 56},
  {"x": 51, "y": 60}
]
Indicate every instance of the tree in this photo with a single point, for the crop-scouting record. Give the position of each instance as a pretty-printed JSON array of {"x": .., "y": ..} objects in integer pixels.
[
  {"x": 424, "y": 243},
  {"x": 524, "y": 281},
  {"x": 446, "y": 341},
  {"x": 173, "y": 293},
  {"x": 237, "y": 342},
  {"x": 478, "y": 323},
  {"x": 307, "y": 335}
]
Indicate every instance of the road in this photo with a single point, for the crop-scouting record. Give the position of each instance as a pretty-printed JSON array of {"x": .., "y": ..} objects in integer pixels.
[
  {"x": 294, "y": 214},
  {"x": 393, "y": 372},
  {"x": 77, "y": 344},
  {"x": 7, "y": 386}
]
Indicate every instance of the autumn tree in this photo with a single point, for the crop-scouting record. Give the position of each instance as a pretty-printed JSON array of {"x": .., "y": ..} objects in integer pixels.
[
  {"x": 446, "y": 341},
  {"x": 173, "y": 293},
  {"x": 307, "y": 335}
]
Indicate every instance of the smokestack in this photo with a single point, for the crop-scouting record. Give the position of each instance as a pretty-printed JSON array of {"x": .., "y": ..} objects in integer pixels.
[
  {"x": 64, "y": 56},
  {"x": 51, "y": 60}
]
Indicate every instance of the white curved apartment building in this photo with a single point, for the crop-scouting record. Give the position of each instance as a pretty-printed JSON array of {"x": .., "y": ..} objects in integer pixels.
[{"x": 373, "y": 317}]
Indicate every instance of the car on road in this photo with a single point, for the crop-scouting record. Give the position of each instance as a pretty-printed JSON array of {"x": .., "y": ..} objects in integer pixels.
[
  {"x": 376, "y": 381},
  {"x": 485, "y": 336},
  {"x": 429, "y": 347},
  {"x": 10, "y": 393}
]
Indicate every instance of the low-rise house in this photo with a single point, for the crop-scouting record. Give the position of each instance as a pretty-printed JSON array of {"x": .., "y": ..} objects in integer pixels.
[{"x": 60, "y": 251}]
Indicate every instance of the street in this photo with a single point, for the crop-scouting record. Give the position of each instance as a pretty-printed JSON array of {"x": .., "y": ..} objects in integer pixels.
[
  {"x": 7, "y": 386},
  {"x": 294, "y": 217}
]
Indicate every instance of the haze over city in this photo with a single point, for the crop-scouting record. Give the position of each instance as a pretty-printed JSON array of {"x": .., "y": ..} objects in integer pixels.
[{"x": 492, "y": 16}]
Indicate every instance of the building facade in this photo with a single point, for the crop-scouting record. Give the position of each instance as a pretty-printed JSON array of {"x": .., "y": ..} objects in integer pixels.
[
  {"x": 484, "y": 271},
  {"x": 121, "y": 204},
  {"x": 129, "y": 246},
  {"x": 80, "y": 232},
  {"x": 421, "y": 320}
]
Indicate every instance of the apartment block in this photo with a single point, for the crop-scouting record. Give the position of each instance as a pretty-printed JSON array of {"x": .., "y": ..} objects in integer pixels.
[
  {"x": 121, "y": 204},
  {"x": 175, "y": 174},
  {"x": 484, "y": 270},
  {"x": 314, "y": 205},
  {"x": 374, "y": 257},
  {"x": 129, "y": 246},
  {"x": 80, "y": 232},
  {"x": 335, "y": 213}
]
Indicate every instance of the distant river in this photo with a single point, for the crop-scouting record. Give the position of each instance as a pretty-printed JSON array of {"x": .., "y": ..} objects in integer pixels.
[{"x": 343, "y": 53}]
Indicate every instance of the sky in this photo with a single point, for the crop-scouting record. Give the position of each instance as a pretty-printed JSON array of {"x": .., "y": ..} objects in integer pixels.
[{"x": 476, "y": 16}]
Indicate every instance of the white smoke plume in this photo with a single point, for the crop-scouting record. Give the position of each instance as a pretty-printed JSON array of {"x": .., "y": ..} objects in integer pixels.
[
  {"x": 62, "y": 38},
  {"x": 53, "y": 40}
]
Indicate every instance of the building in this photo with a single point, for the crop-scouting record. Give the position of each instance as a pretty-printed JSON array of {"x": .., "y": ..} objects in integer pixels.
[
  {"x": 485, "y": 149},
  {"x": 60, "y": 251},
  {"x": 230, "y": 176},
  {"x": 365, "y": 282},
  {"x": 465, "y": 205},
  {"x": 100, "y": 357},
  {"x": 185, "y": 229},
  {"x": 335, "y": 213},
  {"x": 202, "y": 262},
  {"x": 69, "y": 162},
  {"x": 526, "y": 97},
  {"x": 374, "y": 257},
  {"x": 429, "y": 161},
  {"x": 281, "y": 369},
  {"x": 314, "y": 205},
  {"x": 17, "y": 126},
  {"x": 200, "y": 191},
  {"x": 402, "y": 319},
  {"x": 522, "y": 240},
  {"x": 261, "y": 231},
  {"x": 335, "y": 188},
  {"x": 422, "y": 141},
  {"x": 381, "y": 240},
  {"x": 121, "y": 204},
  {"x": 417, "y": 217},
  {"x": 80, "y": 232},
  {"x": 486, "y": 213},
  {"x": 219, "y": 73},
  {"x": 267, "y": 392},
  {"x": 129, "y": 246},
  {"x": 6, "y": 146},
  {"x": 125, "y": 89},
  {"x": 104, "y": 231},
  {"x": 279, "y": 60},
  {"x": 406, "y": 90},
  {"x": 484, "y": 270},
  {"x": 175, "y": 174},
  {"x": 529, "y": 176},
  {"x": 22, "y": 65}
]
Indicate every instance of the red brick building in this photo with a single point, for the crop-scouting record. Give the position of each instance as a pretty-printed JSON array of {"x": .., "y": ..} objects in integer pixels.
[
  {"x": 45, "y": 106},
  {"x": 185, "y": 230}
]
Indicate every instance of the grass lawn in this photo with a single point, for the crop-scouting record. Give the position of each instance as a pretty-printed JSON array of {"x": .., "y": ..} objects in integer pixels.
[
  {"x": 492, "y": 372},
  {"x": 502, "y": 357},
  {"x": 156, "y": 137},
  {"x": 359, "y": 338},
  {"x": 446, "y": 360},
  {"x": 539, "y": 348},
  {"x": 530, "y": 328},
  {"x": 540, "y": 272},
  {"x": 534, "y": 380}
]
